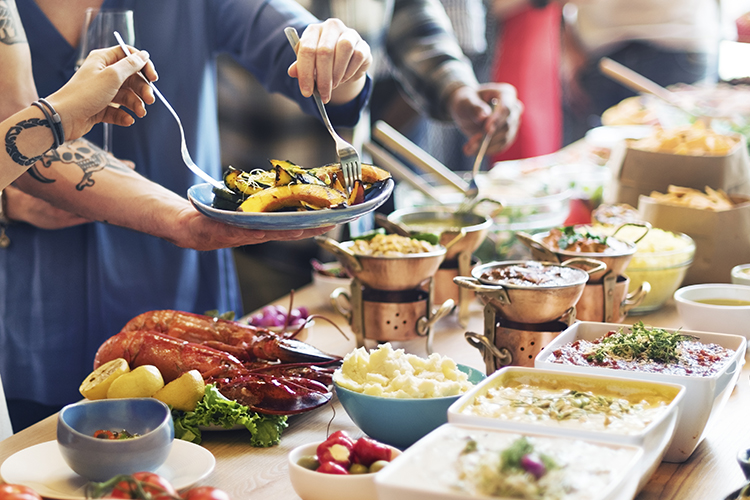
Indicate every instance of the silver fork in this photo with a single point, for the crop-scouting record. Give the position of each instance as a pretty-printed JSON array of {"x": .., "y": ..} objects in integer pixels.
[
  {"x": 348, "y": 156},
  {"x": 183, "y": 148}
]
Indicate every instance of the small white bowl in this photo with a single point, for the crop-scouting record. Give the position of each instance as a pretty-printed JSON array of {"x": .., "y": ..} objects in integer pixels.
[
  {"x": 311, "y": 485},
  {"x": 741, "y": 274},
  {"x": 695, "y": 315},
  {"x": 325, "y": 285}
]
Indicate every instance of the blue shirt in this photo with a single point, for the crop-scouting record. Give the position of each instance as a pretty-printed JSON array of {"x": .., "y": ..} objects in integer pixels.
[{"x": 63, "y": 292}]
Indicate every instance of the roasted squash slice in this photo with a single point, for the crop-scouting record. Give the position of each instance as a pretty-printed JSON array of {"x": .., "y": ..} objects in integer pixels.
[
  {"x": 305, "y": 196},
  {"x": 370, "y": 173}
]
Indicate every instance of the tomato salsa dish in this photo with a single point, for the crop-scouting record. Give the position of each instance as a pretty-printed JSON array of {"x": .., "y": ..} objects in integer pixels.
[{"x": 645, "y": 349}]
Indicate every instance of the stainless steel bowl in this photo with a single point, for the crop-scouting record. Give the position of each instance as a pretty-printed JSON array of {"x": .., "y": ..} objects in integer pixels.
[{"x": 448, "y": 224}]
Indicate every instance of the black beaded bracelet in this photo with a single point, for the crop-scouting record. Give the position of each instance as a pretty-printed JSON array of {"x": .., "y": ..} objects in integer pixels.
[{"x": 55, "y": 122}]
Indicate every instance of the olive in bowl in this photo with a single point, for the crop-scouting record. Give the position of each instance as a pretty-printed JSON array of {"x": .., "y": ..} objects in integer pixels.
[
  {"x": 144, "y": 427},
  {"x": 313, "y": 480}
]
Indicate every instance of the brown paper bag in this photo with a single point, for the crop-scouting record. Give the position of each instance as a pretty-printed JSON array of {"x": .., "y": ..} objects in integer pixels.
[
  {"x": 636, "y": 172},
  {"x": 722, "y": 239}
]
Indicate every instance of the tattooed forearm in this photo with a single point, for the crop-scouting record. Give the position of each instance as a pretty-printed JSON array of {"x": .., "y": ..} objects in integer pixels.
[
  {"x": 11, "y": 29},
  {"x": 12, "y": 135},
  {"x": 87, "y": 156}
]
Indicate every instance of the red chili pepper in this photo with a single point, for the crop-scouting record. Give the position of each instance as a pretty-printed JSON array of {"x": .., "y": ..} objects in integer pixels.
[
  {"x": 337, "y": 449},
  {"x": 104, "y": 434},
  {"x": 367, "y": 451},
  {"x": 331, "y": 468}
]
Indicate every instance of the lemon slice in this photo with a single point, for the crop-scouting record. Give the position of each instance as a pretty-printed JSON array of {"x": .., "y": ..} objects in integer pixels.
[
  {"x": 95, "y": 386},
  {"x": 184, "y": 392},
  {"x": 141, "y": 382}
]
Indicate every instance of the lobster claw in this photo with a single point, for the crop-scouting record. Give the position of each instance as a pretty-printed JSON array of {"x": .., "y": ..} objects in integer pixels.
[{"x": 292, "y": 351}]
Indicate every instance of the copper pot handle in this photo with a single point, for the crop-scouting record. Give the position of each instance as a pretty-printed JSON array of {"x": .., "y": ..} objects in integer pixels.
[
  {"x": 347, "y": 258},
  {"x": 338, "y": 306},
  {"x": 635, "y": 298},
  {"x": 594, "y": 265},
  {"x": 473, "y": 284},
  {"x": 644, "y": 225},
  {"x": 547, "y": 253},
  {"x": 501, "y": 355}
]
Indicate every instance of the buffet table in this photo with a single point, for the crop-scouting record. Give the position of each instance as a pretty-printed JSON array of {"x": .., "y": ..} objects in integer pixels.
[{"x": 246, "y": 472}]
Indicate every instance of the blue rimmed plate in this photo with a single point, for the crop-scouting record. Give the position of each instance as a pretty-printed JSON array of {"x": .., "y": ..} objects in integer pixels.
[{"x": 202, "y": 197}]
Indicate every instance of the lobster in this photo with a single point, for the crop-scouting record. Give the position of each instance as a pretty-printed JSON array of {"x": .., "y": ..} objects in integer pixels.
[
  {"x": 263, "y": 392},
  {"x": 247, "y": 343},
  {"x": 266, "y": 372}
]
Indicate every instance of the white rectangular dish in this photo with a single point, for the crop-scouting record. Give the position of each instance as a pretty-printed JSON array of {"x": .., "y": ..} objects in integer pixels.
[
  {"x": 704, "y": 398},
  {"x": 460, "y": 462},
  {"x": 651, "y": 427}
]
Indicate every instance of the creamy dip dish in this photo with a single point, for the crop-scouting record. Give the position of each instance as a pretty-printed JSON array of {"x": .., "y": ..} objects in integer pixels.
[
  {"x": 483, "y": 463},
  {"x": 556, "y": 407},
  {"x": 644, "y": 349}
]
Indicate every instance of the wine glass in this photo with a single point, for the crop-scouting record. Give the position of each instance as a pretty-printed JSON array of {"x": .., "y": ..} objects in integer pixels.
[{"x": 98, "y": 32}]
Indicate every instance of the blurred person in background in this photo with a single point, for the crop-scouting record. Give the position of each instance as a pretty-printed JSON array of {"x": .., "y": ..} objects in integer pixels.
[
  {"x": 666, "y": 41},
  {"x": 104, "y": 275},
  {"x": 527, "y": 55}
]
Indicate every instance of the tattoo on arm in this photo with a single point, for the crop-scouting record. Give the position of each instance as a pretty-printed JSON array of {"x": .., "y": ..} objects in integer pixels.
[
  {"x": 88, "y": 157},
  {"x": 11, "y": 29},
  {"x": 12, "y": 135}
]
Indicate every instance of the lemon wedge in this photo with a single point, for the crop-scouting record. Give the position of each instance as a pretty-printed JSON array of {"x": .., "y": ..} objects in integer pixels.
[
  {"x": 95, "y": 386},
  {"x": 141, "y": 382},
  {"x": 184, "y": 392}
]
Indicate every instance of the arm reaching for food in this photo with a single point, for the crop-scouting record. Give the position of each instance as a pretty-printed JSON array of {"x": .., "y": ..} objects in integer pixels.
[{"x": 106, "y": 77}]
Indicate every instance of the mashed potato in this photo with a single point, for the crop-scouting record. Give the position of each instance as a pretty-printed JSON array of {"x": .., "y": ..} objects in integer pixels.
[{"x": 390, "y": 373}]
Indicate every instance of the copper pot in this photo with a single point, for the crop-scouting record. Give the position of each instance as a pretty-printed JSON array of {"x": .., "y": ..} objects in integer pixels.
[
  {"x": 609, "y": 301},
  {"x": 390, "y": 273},
  {"x": 616, "y": 260},
  {"x": 448, "y": 224},
  {"x": 530, "y": 304}
]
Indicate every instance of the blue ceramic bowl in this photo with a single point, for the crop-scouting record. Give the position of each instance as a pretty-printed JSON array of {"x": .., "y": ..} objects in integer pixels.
[
  {"x": 399, "y": 422},
  {"x": 101, "y": 459}
]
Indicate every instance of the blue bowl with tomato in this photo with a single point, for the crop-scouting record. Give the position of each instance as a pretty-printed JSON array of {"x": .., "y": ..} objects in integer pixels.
[
  {"x": 133, "y": 435},
  {"x": 399, "y": 422}
]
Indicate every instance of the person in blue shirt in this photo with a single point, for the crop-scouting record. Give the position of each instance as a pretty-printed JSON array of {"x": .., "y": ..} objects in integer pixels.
[{"x": 64, "y": 291}]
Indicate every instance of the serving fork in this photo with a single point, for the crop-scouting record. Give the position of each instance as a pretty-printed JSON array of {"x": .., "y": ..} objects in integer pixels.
[
  {"x": 348, "y": 156},
  {"x": 183, "y": 148}
]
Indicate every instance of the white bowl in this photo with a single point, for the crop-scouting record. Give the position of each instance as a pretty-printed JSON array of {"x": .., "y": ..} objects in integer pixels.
[
  {"x": 741, "y": 274},
  {"x": 704, "y": 397},
  {"x": 734, "y": 319},
  {"x": 311, "y": 485},
  {"x": 427, "y": 470},
  {"x": 654, "y": 438},
  {"x": 325, "y": 285}
]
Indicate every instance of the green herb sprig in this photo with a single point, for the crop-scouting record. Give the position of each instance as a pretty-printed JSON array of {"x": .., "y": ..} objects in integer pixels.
[
  {"x": 641, "y": 342},
  {"x": 570, "y": 237}
]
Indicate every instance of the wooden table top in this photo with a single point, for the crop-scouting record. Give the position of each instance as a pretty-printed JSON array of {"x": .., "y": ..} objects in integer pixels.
[{"x": 710, "y": 473}]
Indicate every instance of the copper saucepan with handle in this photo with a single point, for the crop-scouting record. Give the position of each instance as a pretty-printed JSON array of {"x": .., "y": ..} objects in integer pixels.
[
  {"x": 532, "y": 303},
  {"x": 385, "y": 272},
  {"x": 616, "y": 258}
]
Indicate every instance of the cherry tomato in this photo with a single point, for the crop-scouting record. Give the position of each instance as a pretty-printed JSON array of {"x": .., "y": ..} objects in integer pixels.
[
  {"x": 206, "y": 493},
  {"x": 17, "y": 492},
  {"x": 156, "y": 486},
  {"x": 104, "y": 434}
]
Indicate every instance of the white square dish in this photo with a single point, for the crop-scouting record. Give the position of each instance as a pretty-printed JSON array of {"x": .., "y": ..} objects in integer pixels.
[
  {"x": 653, "y": 433},
  {"x": 704, "y": 397},
  {"x": 429, "y": 469}
]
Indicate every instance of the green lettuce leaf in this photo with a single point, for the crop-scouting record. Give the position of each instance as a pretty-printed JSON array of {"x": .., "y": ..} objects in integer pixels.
[{"x": 216, "y": 410}]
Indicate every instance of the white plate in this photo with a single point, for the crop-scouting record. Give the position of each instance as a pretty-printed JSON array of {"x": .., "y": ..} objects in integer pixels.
[
  {"x": 43, "y": 468},
  {"x": 201, "y": 196}
]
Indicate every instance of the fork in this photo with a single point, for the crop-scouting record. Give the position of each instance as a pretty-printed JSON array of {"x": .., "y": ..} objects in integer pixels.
[
  {"x": 348, "y": 156},
  {"x": 183, "y": 149}
]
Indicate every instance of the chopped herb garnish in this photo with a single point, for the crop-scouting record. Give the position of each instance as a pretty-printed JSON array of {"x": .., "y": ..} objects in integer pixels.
[
  {"x": 570, "y": 237},
  {"x": 641, "y": 342},
  {"x": 512, "y": 458}
]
